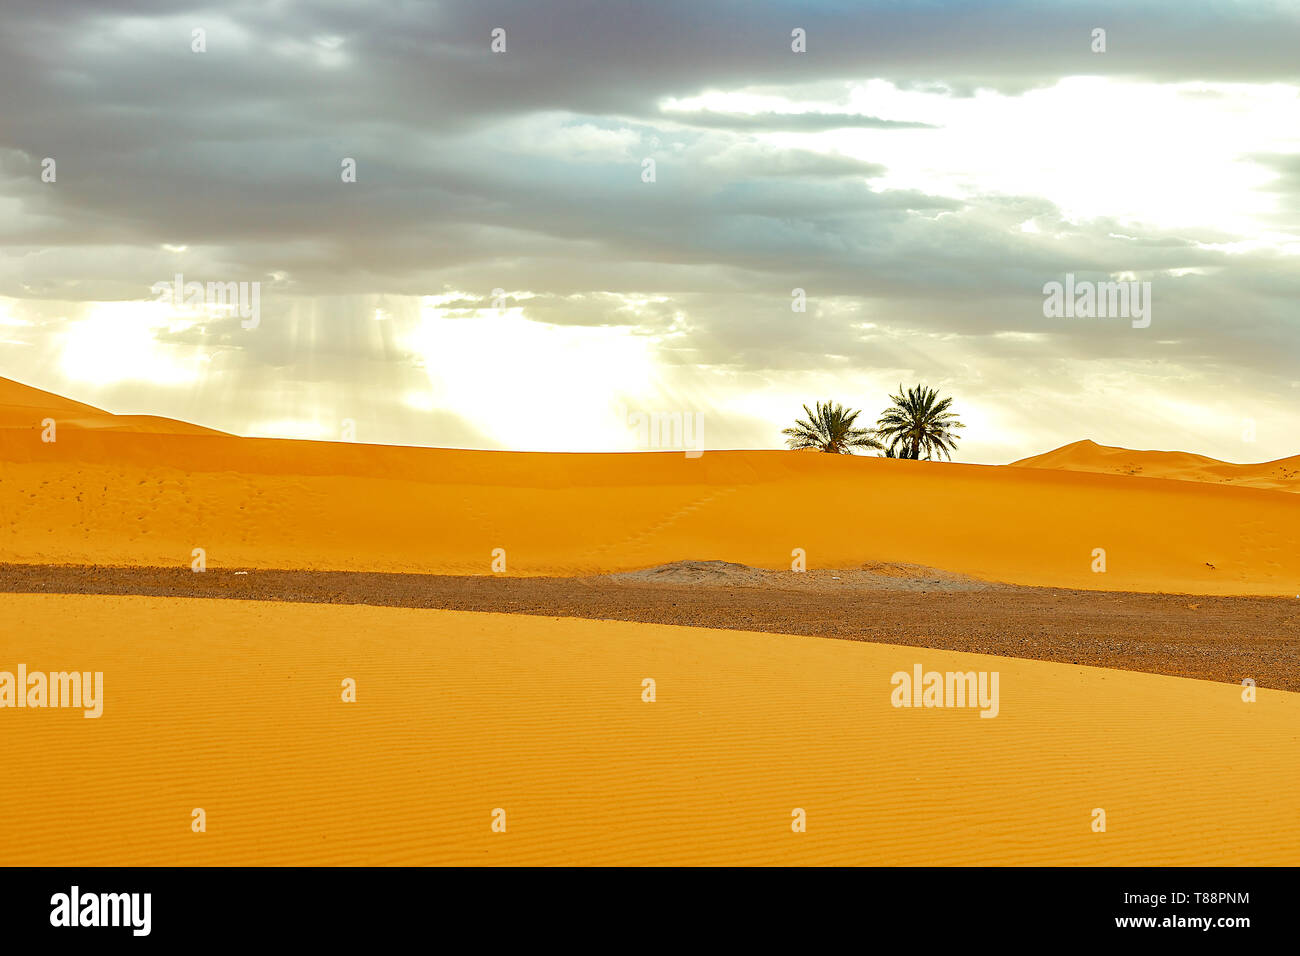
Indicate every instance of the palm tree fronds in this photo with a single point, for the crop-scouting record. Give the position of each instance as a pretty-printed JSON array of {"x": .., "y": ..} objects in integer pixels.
[
  {"x": 829, "y": 427},
  {"x": 919, "y": 424}
]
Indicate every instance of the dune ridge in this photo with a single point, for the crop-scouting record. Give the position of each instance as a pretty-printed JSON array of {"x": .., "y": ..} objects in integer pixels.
[
  {"x": 1282, "y": 474},
  {"x": 23, "y": 407},
  {"x": 100, "y": 495}
]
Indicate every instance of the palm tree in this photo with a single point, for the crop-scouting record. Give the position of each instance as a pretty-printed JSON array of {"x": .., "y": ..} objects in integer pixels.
[
  {"x": 830, "y": 429},
  {"x": 919, "y": 422}
]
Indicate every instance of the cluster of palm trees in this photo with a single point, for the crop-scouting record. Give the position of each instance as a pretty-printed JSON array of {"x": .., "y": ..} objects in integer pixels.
[{"x": 917, "y": 425}]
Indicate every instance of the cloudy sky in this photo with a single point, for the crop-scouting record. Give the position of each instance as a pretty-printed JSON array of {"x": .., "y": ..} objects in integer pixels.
[{"x": 501, "y": 274}]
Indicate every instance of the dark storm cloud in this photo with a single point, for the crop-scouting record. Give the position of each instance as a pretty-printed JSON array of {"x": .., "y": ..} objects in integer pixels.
[
  {"x": 413, "y": 63},
  {"x": 602, "y": 57},
  {"x": 522, "y": 171},
  {"x": 240, "y": 146}
]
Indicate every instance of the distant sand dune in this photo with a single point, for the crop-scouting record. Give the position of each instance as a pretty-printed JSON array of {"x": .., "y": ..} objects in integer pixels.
[
  {"x": 104, "y": 496},
  {"x": 24, "y": 407},
  {"x": 1280, "y": 475},
  {"x": 235, "y": 707}
]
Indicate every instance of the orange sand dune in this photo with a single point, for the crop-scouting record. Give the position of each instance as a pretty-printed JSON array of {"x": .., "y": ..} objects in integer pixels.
[
  {"x": 1280, "y": 475},
  {"x": 98, "y": 495},
  {"x": 236, "y": 708},
  {"x": 22, "y": 406}
]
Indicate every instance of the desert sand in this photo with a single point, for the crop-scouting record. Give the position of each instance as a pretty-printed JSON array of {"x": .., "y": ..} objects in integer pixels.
[
  {"x": 1282, "y": 474},
  {"x": 22, "y": 406},
  {"x": 235, "y": 707},
  {"x": 1216, "y": 638},
  {"x": 107, "y": 492}
]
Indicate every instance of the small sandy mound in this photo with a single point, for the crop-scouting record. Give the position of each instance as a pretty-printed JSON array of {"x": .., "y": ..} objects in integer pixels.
[
  {"x": 871, "y": 576},
  {"x": 699, "y": 572}
]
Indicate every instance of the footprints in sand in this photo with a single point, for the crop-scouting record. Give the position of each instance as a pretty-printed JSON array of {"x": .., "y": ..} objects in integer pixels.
[{"x": 634, "y": 542}]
